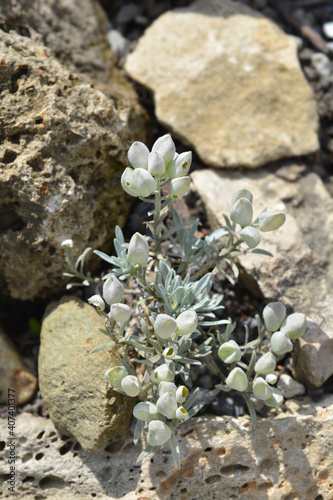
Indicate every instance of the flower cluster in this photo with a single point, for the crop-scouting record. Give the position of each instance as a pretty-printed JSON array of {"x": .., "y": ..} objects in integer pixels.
[{"x": 175, "y": 319}]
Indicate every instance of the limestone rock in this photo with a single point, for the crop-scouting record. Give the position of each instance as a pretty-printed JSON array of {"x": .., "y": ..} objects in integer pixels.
[
  {"x": 223, "y": 458},
  {"x": 62, "y": 151},
  {"x": 14, "y": 374},
  {"x": 72, "y": 380},
  {"x": 290, "y": 387},
  {"x": 227, "y": 82},
  {"x": 300, "y": 272}
]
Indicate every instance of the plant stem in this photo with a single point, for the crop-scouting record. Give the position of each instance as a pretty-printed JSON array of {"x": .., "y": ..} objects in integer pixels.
[{"x": 157, "y": 219}]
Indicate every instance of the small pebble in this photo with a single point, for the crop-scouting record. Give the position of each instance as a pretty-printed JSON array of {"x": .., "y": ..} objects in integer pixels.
[
  {"x": 118, "y": 43},
  {"x": 290, "y": 387},
  {"x": 328, "y": 29},
  {"x": 321, "y": 63},
  {"x": 228, "y": 404}
]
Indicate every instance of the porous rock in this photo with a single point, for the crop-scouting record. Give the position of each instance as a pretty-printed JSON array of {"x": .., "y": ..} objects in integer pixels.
[
  {"x": 227, "y": 81},
  {"x": 72, "y": 380},
  {"x": 14, "y": 375},
  {"x": 223, "y": 458},
  {"x": 62, "y": 151},
  {"x": 300, "y": 272}
]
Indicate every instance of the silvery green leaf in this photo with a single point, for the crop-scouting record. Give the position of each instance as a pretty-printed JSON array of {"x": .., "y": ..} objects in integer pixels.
[
  {"x": 164, "y": 269},
  {"x": 147, "y": 362},
  {"x": 81, "y": 258},
  {"x": 130, "y": 371},
  {"x": 194, "y": 410},
  {"x": 223, "y": 387},
  {"x": 251, "y": 408},
  {"x": 119, "y": 235},
  {"x": 227, "y": 220},
  {"x": 69, "y": 275},
  {"x": 104, "y": 256},
  {"x": 190, "y": 399},
  {"x": 72, "y": 284},
  {"x": 138, "y": 430},
  {"x": 141, "y": 347},
  {"x": 217, "y": 234},
  {"x": 261, "y": 251},
  {"x": 175, "y": 450},
  {"x": 148, "y": 449},
  {"x": 214, "y": 392},
  {"x": 102, "y": 346},
  {"x": 213, "y": 323},
  {"x": 104, "y": 331},
  {"x": 187, "y": 361}
]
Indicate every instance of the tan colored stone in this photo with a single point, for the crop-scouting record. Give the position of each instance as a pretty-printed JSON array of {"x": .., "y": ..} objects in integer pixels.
[
  {"x": 14, "y": 374},
  {"x": 289, "y": 455},
  {"x": 300, "y": 271},
  {"x": 227, "y": 82},
  {"x": 72, "y": 380}
]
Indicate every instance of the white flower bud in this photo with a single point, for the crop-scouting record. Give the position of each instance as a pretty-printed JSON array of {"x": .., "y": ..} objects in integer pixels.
[
  {"x": 280, "y": 343},
  {"x": 131, "y": 385},
  {"x": 237, "y": 380},
  {"x": 98, "y": 302},
  {"x": 273, "y": 315},
  {"x": 250, "y": 235},
  {"x": 156, "y": 165},
  {"x": 179, "y": 186},
  {"x": 181, "y": 413},
  {"x": 120, "y": 312},
  {"x": 187, "y": 322},
  {"x": 271, "y": 378},
  {"x": 138, "y": 250},
  {"x": 138, "y": 155},
  {"x": 143, "y": 182},
  {"x": 180, "y": 165},
  {"x": 230, "y": 352},
  {"x": 261, "y": 389},
  {"x": 162, "y": 374},
  {"x": 145, "y": 411},
  {"x": 170, "y": 352},
  {"x": 166, "y": 147},
  {"x": 115, "y": 375},
  {"x": 269, "y": 221},
  {"x": 266, "y": 364},
  {"x": 165, "y": 387},
  {"x": 167, "y": 405},
  {"x": 241, "y": 193},
  {"x": 181, "y": 394},
  {"x": 158, "y": 433},
  {"x": 67, "y": 243},
  {"x": 276, "y": 398},
  {"x": 242, "y": 212},
  {"x": 127, "y": 182},
  {"x": 113, "y": 290},
  {"x": 294, "y": 325},
  {"x": 164, "y": 326}
]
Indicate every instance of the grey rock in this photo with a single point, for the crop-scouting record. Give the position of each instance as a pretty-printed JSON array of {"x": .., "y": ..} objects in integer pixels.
[
  {"x": 290, "y": 387},
  {"x": 72, "y": 380},
  {"x": 62, "y": 151},
  {"x": 321, "y": 63},
  {"x": 14, "y": 374},
  {"x": 128, "y": 13},
  {"x": 300, "y": 272},
  {"x": 223, "y": 458},
  {"x": 227, "y": 81}
]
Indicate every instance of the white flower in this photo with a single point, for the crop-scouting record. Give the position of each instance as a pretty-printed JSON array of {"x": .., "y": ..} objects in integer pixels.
[
  {"x": 120, "y": 312},
  {"x": 138, "y": 250},
  {"x": 273, "y": 315},
  {"x": 67, "y": 243},
  {"x": 167, "y": 405},
  {"x": 280, "y": 343},
  {"x": 261, "y": 389},
  {"x": 164, "y": 326},
  {"x": 242, "y": 212},
  {"x": 179, "y": 186},
  {"x": 266, "y": 364},
  {"x": 250, "y": 235},
  {"x": 143, "y": 182},
  {"x": 276, "y": 398},
  {"x": 181, "y": 413},
  {"x": 187, "y": 322},
  {"x": 131, "y": 385},
  {"x": 294, "y": 325},
  {"x": 162, "y": 374},
  {"x": 271, "y": 378},
  {"x": 127, "y": 182},
  {"x": 158, "y": 433},
  {"x": 166, "y": 147},
  {"x": 241, "y": 193},
  {"x": 165, "y": 387},
  {"x": 269, "y": 221},
  {"x": 156, "y": 165},
  {"x": 237, "y": 380},
  {"x": 170, "y": 352},
  {"x": 180, "y": 165},
  {"x": 230, "y": 352},
  {"x": 181, "y": 394},
  {"x": 113, "y": 290},
  {"x": 115, "y": 375},
  {"x": 138, "y": 155},
  {"x": 98, "y": 302},
  {"x": 145, "y": 411}
]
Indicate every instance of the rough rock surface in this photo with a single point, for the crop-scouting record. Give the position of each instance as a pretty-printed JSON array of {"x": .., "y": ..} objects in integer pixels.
[
  {"x": 13, "y": 374},
  {"x": 227, "y": 82},
  {"x": 300, "y": 271},
  {"x": 63, "y": 145},
  {"x": 221, "y": 458},
  {"x": 72, "y": 380}
]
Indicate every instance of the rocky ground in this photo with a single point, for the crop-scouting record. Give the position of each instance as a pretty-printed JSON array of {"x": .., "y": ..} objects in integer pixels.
[{"x": 277, "y": 124}]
